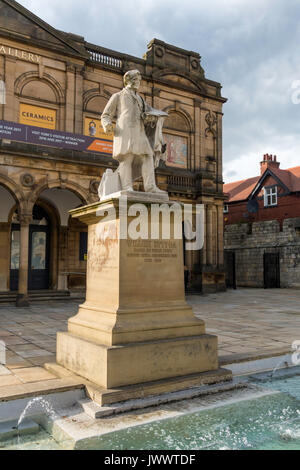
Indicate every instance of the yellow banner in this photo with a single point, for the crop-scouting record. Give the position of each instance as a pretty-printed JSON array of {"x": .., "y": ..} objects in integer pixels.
[
  {"x": 93, "y": 128},
  {"x": 36, "y": 116}
]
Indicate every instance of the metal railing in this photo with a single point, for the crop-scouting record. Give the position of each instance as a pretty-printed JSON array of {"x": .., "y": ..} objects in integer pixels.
[{"x": 181, "y": 181}]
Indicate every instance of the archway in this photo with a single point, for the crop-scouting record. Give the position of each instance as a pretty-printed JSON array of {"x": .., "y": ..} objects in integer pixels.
[{"x": 68, "y": 239}]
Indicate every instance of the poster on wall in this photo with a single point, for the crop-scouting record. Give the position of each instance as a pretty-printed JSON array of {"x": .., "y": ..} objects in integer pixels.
[
  {"x": 93, "y": 128},
  {"x": 177, "y": 150},
  {"x": 37, "y": 116}
]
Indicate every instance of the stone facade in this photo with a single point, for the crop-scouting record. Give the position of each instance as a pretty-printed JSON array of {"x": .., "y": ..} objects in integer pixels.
[
  {"x": 73, "y": 80},
  {"x": 250, "y": 242}
]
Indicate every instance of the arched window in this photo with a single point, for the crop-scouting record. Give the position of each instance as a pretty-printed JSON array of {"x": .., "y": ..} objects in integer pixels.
[
  {"x": 177, "y": 139},
  {"x": 92, "y": 118},
  {"x": 41, "y": 101}
]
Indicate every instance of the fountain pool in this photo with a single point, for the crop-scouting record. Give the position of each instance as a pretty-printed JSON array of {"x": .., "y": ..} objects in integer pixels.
[{"x": 266, "y": 422}]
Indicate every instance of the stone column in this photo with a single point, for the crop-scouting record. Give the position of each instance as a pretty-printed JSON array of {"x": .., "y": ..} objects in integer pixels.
[
  {"x": 78, "y": 101},
  {"x": 4, "y": 255},
  {"x": 10, "y": 73},
  {"x": 197, "y": 104},
  {"x": 70, "y": 105},
  {"x": 63, "y": 259},
  {"x": 219, "y": 155},
  {"x": 220, "y": 237},
  {"x": 209, "y": 234},
  {"x": 22, "y": 297}
]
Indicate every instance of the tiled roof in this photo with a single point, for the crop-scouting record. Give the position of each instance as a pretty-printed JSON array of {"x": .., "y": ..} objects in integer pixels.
[{"x": 241, "y": 190}]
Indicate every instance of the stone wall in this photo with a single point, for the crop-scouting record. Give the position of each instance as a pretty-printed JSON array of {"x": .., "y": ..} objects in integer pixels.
[{"x": 251, "y": 241}]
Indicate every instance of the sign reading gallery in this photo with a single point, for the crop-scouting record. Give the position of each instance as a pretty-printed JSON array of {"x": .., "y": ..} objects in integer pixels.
[{"x": 23, "y": 55}]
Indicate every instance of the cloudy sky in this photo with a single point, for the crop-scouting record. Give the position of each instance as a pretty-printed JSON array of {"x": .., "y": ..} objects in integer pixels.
[{"x": 250, "y": 46}]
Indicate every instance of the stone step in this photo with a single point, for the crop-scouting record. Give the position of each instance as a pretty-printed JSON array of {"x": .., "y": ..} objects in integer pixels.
[
  {"x": 107, "y": 397},
  {"x": 95, "y": 411},
  {"x": 35, "y": 296},
  {"x": 9, "y": 429}
]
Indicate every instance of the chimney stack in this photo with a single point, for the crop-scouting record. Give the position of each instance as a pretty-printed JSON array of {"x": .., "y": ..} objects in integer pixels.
[{"x": 268, "y": 162}]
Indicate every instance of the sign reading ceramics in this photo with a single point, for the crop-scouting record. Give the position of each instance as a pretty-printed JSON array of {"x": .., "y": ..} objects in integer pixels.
[{"x": 37, "y": 116}]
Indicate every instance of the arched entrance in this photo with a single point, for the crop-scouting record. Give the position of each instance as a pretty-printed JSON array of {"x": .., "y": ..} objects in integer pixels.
[{"x": 38, "y": 252}]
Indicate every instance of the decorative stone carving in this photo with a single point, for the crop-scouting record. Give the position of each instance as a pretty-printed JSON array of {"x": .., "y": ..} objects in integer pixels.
[
  {"x": 94, "y": 185},
  {"x": 159, "y": 52},
  {"x": 27, "y": 180},
  {"x": 25, "y": 219},
  {"x": 194, "y": 64},
  {"x": 211, "y": 120}
]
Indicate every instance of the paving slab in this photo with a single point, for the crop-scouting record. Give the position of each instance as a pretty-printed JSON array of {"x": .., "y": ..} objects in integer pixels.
[
  {"x": 250, "y": 324},
  {"x": 4, "y": 371}
]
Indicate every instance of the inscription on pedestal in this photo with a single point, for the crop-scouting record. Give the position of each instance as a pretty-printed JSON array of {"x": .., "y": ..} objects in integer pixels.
[{"x": 151, "y": 251}]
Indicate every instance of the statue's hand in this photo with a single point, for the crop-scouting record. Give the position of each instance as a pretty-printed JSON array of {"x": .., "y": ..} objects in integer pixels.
[
  {"x": 148, "y": 119},
  {"x": 108, "y": 129}
]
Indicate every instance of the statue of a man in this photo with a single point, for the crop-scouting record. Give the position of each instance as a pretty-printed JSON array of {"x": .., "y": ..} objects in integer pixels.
[{"x": 138, "y": 141}]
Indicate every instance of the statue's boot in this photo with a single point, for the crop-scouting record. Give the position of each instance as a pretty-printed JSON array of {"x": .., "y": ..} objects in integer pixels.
[{"x": 154, "y": 189}]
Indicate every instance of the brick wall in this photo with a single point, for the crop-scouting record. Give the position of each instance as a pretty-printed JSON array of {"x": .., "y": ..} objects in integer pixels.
[{"x": 288, "y": 207}]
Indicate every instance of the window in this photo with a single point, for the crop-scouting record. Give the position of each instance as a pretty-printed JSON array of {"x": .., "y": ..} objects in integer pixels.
[
  {"x": 270, "y": 196},
  {"x": 176, "y": 136},
  {"x": 226, "y": 209}
]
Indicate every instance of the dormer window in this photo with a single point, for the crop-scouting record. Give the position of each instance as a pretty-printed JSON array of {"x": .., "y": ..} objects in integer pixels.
[
  {"x": 225, "y": 209},
  {"x": 270, "y": 196}
]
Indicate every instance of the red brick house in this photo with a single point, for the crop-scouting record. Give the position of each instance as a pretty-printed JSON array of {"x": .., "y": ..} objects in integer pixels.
[
  {"x": 262, "y": 228},
  {"x": 275, "y": 194}
]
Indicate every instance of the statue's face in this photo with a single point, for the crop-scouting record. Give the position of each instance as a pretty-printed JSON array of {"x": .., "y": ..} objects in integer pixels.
[{"x": 135, "y": 82}]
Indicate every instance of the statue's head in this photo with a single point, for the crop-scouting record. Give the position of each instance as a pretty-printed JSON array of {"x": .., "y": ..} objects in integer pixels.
[{"x": 132, "y": 79}]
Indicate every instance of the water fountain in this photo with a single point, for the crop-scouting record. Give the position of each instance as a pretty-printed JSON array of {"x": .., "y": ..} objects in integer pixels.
[{"x": 45, "y": 404}]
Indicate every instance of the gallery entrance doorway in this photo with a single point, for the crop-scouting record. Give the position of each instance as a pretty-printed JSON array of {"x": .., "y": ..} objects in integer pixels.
[{"x": 39, "y": 251}]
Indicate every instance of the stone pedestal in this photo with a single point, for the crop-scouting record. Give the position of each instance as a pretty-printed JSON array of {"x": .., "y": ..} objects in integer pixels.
[{"x": 135, "y": 326}]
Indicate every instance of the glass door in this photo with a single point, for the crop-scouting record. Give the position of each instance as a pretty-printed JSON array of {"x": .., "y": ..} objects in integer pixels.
[
  {"x": 38, "y": 269},
  {"x": 14, "y": 257}
]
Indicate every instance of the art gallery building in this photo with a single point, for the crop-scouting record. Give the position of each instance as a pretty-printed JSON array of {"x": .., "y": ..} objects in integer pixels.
[{"x": 53, "y": 88}]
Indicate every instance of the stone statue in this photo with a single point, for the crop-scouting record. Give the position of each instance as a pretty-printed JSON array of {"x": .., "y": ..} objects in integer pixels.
[{"x": 138, "y": 141}]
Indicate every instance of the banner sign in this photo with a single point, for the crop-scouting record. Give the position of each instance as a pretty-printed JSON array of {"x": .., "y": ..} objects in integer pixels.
[
  {"x": 53, "y": 138},
  {"x": 37, "y": 116},
  {"x": 177, "y": 150},
  {"x": 93, "y": 128}
]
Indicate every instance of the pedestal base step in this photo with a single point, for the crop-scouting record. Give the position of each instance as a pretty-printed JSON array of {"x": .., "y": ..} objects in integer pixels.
[
  {"x": 111, "y": 367},
  {"x": 104, "y": 397},
  {"x": 96, "y": 411}
]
